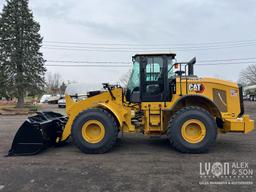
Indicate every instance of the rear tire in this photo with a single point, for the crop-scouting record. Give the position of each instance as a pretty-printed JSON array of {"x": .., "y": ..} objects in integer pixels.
[
  {"x": 102, "y": 142},
  {"x": 192, "y": 118}
]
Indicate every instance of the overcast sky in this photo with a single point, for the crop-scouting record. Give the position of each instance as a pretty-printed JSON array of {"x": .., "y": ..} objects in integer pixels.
[{"x": 146, "y": 22}]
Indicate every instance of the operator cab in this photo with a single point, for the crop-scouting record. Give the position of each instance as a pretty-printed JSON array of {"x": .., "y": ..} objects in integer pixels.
[
  {"x": 153, "y": 78},
  {"x": 150, "y": 76}
]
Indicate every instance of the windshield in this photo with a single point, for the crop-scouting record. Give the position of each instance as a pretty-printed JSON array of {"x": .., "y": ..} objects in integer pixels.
[
  {"x": 170, "y": 62},
  {"x": 134, "y": 81},
  {"x": 153, "y": 71}
]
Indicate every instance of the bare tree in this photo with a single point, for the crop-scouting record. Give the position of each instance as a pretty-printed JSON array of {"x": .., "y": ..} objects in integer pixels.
[
  {"x": 123, "y": 81},
  {"x": 63, "y": 88},
  {"x": 53, "y": 83},
  {"x": 248, "y": 75}
]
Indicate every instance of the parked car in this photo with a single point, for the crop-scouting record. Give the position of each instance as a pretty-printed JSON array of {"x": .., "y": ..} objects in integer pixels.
[
  {"x": 45, "y": 98},
  {"x": 62, "y": 102},
  {"x": 54, "y": 99},
  {"x": 250, "y": 92}
]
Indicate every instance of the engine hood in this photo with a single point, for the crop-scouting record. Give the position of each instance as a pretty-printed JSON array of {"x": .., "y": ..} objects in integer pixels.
[{"x": 220, "y": 81}]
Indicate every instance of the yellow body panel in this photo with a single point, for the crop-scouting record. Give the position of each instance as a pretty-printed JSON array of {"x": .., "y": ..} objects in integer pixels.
[
  {"x": 209, "y": 84},
  {"x": 103, "y": 100},
  {"x": 232, "y": 123},
  {"x": 224, "y": 94},
  {"x": 244, "y": 125},
  {"x": 232, "y": 101}
]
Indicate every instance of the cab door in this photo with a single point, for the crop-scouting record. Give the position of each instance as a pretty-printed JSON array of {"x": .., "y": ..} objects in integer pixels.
[
  {"x": 154, "y": 83},
  {"x": 154, "y": 91}
]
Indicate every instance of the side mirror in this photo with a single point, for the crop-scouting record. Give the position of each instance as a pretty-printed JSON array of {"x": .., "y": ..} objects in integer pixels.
[{"x": 191, "y": 64}]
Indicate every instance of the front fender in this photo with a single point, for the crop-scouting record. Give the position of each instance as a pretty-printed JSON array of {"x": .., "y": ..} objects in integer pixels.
[{"x": 115, "y": 110}]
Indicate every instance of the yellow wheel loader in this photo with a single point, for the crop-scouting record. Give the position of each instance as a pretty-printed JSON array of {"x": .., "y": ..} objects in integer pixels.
[{"x": 163, "y": 97}]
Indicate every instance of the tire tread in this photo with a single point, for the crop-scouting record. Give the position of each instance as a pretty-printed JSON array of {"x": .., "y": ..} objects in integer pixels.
[
  {"x": 176, "y": 145},
  {"x": 105, "y": 148}
]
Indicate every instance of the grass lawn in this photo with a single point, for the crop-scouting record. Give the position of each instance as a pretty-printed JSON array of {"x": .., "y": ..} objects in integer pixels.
[{"x": 11, "y": 108}]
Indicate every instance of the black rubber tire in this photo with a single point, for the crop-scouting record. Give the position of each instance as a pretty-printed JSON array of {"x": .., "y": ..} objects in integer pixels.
[
  {"x": 179, "y": 118},
  {"x": 111, "y": 131}
]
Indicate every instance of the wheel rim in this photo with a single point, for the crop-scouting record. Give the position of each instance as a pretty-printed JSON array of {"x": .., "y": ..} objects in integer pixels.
[
  {"x": 93, "y": 131},
  {"x": 193, "y": 131}
]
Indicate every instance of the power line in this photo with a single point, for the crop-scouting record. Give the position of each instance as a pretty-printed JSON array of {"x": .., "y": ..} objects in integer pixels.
[
  {"x": 125, "y": 66},
  {"x": 100, "y": 66},
  {"x": 89, "y": 62},
  {"x": 89, "y": 50},
  {"x": 134, "y": 47},
  {"x": 98, "y": 47},
  {"x": 223, "y": 63},
  {"x": 126, "y": 49},
  {"x": 152, "y": 44},
  {"x": 128, "y": 62},
  {"x": 232, "y": 59}
]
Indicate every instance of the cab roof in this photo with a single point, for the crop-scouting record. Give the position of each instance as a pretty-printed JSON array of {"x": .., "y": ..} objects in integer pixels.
[{"x": 156, "y": 54}]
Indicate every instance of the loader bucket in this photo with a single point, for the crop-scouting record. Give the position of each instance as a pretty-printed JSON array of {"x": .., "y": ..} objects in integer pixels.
[{"x": 38, "y": 133}]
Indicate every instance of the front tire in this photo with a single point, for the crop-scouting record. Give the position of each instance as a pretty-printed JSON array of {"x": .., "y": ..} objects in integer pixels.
[
  {"x": 192, "y": 130},
  {"x": 94, "y": 131}
]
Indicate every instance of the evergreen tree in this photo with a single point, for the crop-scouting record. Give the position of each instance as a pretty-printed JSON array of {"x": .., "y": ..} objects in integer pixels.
[{"x": 21, "y": 63}]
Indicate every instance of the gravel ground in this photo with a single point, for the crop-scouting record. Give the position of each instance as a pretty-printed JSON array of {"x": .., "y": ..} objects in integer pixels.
[{"x": 137, "y": 163}]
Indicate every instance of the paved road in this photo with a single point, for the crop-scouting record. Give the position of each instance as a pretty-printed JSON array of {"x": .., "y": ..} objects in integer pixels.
[{"x": 137, "y": 163}]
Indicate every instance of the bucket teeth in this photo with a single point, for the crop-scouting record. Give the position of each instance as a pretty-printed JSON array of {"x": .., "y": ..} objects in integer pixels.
[{"x": 38, "y": 133}]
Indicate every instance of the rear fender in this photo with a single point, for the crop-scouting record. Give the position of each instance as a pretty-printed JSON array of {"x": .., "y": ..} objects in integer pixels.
[{"x": 200, "y": 101}]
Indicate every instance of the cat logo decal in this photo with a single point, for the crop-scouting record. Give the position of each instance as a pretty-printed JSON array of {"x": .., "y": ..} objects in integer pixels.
[{"x": 198, "y": 88}]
